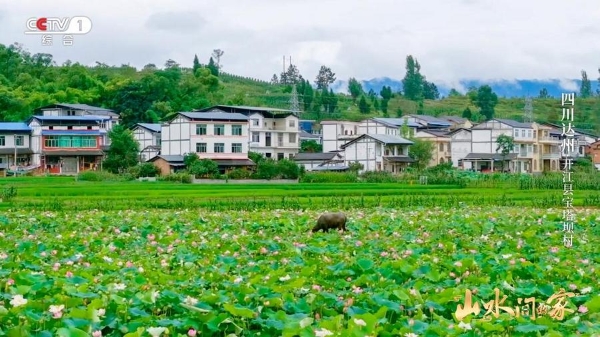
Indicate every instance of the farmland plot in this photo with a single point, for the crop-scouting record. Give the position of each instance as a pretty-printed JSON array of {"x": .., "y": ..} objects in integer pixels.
[{"x": 394, "y": 273}]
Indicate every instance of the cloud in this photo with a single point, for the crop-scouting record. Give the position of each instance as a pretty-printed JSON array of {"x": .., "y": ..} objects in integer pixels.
[
  {"x": 178, "y": 22},
  {"x": 453, "y": 40},
  {"x": 569, "y": 85}
]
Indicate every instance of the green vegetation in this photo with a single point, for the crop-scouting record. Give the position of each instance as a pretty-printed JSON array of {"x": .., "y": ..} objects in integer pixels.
[
  {"x": 333, "y": 190},
  {"x": 151, "y": 94},
  {"x": 201, "y": 273}
]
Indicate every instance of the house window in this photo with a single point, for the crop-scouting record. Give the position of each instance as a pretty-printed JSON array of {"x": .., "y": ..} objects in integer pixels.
[
  {"x": 449, "y": 148},
  {"x": 2, "y": 141},
  {"x": 51, "y": 127},
  {"x": 19, "y": 140},
  {"x": 523, "y": 133},
  {"x": 201, "y": 147},
  {"x": 236, "y": 148},
  {"x": 219, "y": 147},
  {"x": 516, "y": 133},
  {"x": 292, "y": 138},
  {"x": 292, "y": 123},
  {"x": 236, "y": 130},
  {"x": 255, "y": 122},
  {"x": 219, "y": 130},
  {"x": 255, "y": 137},
  {"x": 441, "y": 147},
  {"x": 534, "y": 134},
  {"x": 89, "y": 127},
  {"x": 280, "y": 156},
  {"x": 200, "y": 129},
  {"x": 529, "y": 133},
  {"x": 280, "y": 139},
  {"x": 535, "y": 149},
  {"x": 70, "y": 141}
]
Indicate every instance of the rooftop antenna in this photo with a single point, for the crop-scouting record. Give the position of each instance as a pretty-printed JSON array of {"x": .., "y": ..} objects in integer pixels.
[{"x": 528, "y": 115}]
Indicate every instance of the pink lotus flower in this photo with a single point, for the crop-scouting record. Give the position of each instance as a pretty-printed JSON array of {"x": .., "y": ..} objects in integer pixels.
[
  {"x": 191, "y": 332},
  {"x": 554, "y": 249},
  {"x": 97, "y": 333},
  {"x": 10, "y": 282},
  {"x": 583, "y": 309},
  {"x": 69, "y": 274}
]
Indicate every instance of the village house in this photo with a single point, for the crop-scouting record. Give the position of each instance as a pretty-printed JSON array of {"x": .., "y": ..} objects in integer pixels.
[
  {"x": 148, "y": 136},
  {"x": 15, "y": 151},
  {"x": 429, "y": 122},
  {"x": 337, "y": 133},
  {"x": 378, "y": 152},
  {"x": 387, "y": 126},
  {"x": 168, "y": 164},
  {"x": 593, "y": 151},
  {"x": 219, "y": 136},
  {"x": 320, "y": 161},
  {"x": 442, "y": 149},
  {"x": 68, "y": 144},
  {"x": 273, "y": 132},
  {"x": 460, "y": 146}
]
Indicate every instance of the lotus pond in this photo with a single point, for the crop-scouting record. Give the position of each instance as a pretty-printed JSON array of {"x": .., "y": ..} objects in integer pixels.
[{"x": 262, "y": 273}]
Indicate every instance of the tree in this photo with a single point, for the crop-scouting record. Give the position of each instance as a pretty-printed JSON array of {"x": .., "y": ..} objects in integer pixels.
[
  {"x": 486, "y": 100},
  {"x": 399, "y": 112},
  {"x": 421, "y": 151},
  {"x": 308, "y": 95},
  {"x": 413, "y": 80},
  {"x": 310, "y": 146},
  {"x": 274, "y": 79},
  {"x": 405, "y": 129},
  {"x": 363, "y": 105},
  {"x": 290, "y": 76},
  {"x": 585, "y": 90},
  {"x": 217, "y": 53},
  {"x": 171, "y": 64},
  {"x": 214, "y": 69},
  {"x": 505, "y": 146},
  {"x": 386, "y": 93},
  {"x": 355, "y": 88},
  {"x": 196, "y": 64},
  {"x": 454, "y": 93},
  {"x": 123, "y": 152},
  {"x": 324, "y": 78},
  {"x": 430, "y": 90},
  {"x": 467, "y": 113},
  {"x": 543, "y": 93},
  {"x": 376, "y": 106}
]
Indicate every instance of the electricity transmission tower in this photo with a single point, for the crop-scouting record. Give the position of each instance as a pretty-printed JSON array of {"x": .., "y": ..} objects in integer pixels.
[
  {"x": 294, "y": 103},
  {"x": 528, "y": 116}
]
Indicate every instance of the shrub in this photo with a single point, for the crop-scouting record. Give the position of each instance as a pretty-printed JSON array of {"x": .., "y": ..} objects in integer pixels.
[
  {"x": 98, "y": 176},
  {"x": 239, "y": 174},
  {"x": 8, "y": 193},
  {"x": 288, "y": 169},
  {"x": 266, "y": 169},
  {"x": 329, "y": 177},
  {"x": 379, "y": 177},
  {"x": 184, "y": 178}
]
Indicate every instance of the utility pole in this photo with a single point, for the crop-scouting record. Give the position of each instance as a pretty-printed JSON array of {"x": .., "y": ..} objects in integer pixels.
[
  {"x": 294, "y": 103},
  {"x": 15, "y": 159}
]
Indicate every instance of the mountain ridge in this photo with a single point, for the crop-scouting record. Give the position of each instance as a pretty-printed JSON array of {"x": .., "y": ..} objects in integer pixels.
[{"x": 503, "y": 88}]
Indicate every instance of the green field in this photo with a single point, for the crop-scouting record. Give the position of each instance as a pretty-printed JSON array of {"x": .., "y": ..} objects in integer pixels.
[{"x": 66, "y": 193}]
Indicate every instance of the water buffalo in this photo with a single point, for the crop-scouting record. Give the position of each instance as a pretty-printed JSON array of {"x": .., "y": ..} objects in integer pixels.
[{"x": 329, "y": 221}]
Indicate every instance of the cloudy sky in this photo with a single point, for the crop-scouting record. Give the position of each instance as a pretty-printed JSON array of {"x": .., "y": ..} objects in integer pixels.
[{"x": 452, "y": 39}]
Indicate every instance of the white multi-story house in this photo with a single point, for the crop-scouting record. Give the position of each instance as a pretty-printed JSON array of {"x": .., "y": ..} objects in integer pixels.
[
  {"x": 15, "y": 139},
  {"x": 337, "y": 133},
  {"x": 148, "y": 136},
  {"x": 484, "y": 156},
  {"x": 273, "y": 133},
  {"x": 378, "y": 152},
  {"x": 219, "y": 136}
]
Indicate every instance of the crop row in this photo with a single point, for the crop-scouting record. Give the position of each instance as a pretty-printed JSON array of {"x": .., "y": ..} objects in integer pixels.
[{"x": 330, "y": 202}]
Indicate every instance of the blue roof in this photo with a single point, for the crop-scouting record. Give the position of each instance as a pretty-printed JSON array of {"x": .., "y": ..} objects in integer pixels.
[
  {"x": 72, "y": 118},
  {"x": 151, "y": 127},
  {"x": 10, "y": 126},
  {"x": 71, "y": 132}
]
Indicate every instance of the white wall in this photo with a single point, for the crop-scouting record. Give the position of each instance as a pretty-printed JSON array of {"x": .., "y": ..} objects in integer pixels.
[
  {"x": 365, "y": 151},
  {"x": 334, "y": 132},
  {"x": 460, "y": 147},
  {"x": 284, "y": 134},
  {"x": 179, "y": 137}
]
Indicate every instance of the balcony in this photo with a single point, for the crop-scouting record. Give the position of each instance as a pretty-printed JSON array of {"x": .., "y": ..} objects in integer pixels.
[
  {"x": 525, "y": 154},
  {"x": 551, "y": 155},
  {"x": 555, "y": 140}
]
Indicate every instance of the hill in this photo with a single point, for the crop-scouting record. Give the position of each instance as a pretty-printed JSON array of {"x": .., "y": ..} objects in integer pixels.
[
  {"x": 152, "y": 94},
  {"x": 503, "y": 88}
]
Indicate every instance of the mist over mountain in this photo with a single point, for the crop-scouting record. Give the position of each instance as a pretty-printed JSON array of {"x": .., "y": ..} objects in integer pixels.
[{"x": 503, "y": 88}]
